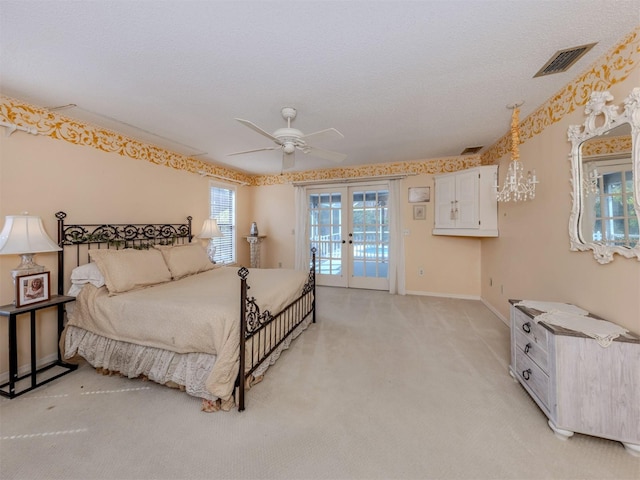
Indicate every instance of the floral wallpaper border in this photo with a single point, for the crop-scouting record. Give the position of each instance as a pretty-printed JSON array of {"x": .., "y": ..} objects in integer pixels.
[
  {"x": 616, "y": 67},
  {"x": 607, "y": 146},
  {"x": 79, "y": 133}
]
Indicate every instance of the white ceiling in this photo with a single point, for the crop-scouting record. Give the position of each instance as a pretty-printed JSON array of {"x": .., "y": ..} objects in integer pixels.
[{"x": 402, "y": 80}]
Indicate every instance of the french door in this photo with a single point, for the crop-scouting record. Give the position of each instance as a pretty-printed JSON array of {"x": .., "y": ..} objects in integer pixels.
[{"x": 349, "y": 226}]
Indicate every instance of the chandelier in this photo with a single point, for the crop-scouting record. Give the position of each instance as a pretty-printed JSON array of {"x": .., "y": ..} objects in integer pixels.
[
  {"x": 590, "y": 183},
  {"x": 516, "y": 187}
]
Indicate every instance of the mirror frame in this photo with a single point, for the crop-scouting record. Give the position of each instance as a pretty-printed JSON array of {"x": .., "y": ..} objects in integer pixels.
[{"x": 601, "y": 118}]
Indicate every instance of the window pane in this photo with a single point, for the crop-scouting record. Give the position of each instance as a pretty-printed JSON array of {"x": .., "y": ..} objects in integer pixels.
[
  {"x": 612, "y": 182},
  {"x": 223, "y": 210},
  {"x": 597, "y": 231},
  {"x": 631, "y": 211},
  {"x": 634, "y": 232},
  {"x": 617, "y": 231},
  {"x": 614, "y": 206}
]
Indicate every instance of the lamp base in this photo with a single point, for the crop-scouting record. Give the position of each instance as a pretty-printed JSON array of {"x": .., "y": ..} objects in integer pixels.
[
  {"x": 27, "y": 267},
  {"x": 211, "y": 251}
]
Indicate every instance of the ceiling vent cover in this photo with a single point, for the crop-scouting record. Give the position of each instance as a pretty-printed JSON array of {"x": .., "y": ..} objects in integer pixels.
[
  {"x": 472, "y": 150},
  {"x": 562, "y": 60}
]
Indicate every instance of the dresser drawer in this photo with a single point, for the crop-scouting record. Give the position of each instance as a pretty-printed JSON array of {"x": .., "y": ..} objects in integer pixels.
[
  {"x": 531, "y": 375},
  {"x": 533, "y": 350},
  {"x": 528, "y": 327}
]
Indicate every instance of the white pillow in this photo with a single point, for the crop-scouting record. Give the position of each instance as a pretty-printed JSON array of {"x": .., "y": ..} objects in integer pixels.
[
  {"x": 87, "y": 273},
  {"x": 75, "y": 289}
]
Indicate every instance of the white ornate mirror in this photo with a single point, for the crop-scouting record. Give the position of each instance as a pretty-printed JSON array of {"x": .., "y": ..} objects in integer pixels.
[{"x": 605, "y": 177}]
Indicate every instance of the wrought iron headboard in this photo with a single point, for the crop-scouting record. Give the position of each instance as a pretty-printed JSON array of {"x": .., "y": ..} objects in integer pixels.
[{"x": 117, "y": 236}]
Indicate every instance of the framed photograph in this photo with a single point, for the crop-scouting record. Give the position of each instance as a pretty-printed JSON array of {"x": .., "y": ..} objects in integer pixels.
[
  {"x": 32, "y": 288},
  {"x": 419, "y": 194},
  {"x": 419, "y": 212}
]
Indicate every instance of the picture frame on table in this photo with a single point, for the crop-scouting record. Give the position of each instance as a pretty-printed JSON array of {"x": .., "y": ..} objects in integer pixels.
[
  {"x": 33, "y": 288},
  {"x": 419, "y": 212},
  {"x": 419, "y": 194}
]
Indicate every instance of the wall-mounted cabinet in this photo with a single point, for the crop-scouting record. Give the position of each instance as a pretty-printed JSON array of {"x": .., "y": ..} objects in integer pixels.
[{"x": 465, "y": 203}]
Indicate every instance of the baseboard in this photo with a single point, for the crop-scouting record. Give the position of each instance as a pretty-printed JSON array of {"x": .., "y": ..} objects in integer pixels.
[
  {"x": 445, "y": 295},
  {"x": 26, "y": 369},
  {"x": 496, "y": 312}
]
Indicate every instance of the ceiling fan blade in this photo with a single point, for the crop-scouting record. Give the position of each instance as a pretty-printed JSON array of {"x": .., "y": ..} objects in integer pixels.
[
  {"x": 328, "y": 134},
  {"x": 326, "y": 154},
  {"x": 288, "y": 160},
  {"x": 256, "y": 128},
  {"x": 255, "y": 150}
]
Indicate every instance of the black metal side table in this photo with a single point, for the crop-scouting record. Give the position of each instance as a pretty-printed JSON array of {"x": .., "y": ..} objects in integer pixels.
[{"x": 12, "y": 313}]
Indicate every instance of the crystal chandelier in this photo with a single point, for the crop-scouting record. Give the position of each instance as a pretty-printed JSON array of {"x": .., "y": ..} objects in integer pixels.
[
  {"x": 516, "y": 187},
  {"x": 590, "y": 184}
]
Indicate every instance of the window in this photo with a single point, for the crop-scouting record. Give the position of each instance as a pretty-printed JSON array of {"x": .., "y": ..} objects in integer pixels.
[
  {"x": 615, "y": 221},
  {"x": 223, "y": 209}
]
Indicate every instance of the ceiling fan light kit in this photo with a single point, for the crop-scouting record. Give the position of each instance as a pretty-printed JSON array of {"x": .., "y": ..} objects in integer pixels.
[{"x": 291, "y": 139}]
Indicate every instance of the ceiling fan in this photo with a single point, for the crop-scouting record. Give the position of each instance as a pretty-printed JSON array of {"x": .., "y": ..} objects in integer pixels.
[{"x": 290, "y": 139}]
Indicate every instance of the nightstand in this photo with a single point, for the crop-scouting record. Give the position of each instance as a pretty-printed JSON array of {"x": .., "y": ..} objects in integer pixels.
[{"x": 61, "y": 368}]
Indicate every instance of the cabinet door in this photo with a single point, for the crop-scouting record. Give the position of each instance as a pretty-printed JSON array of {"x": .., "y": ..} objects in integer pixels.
[
  {"x": 466, "y": 205},
  {"x": 445, "y": 197}
]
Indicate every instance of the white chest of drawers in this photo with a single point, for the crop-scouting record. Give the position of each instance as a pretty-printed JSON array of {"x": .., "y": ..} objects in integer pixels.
[{"x": 581, "y": 386}]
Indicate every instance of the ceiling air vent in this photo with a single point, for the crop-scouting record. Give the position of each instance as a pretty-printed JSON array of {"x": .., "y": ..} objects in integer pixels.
[
  {"x": 562, "y": 60},
  {"x": 472, "y": 150}
]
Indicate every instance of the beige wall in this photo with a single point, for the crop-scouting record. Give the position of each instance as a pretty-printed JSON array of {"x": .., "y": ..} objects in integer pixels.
[
  {"x": 42, "y": 176},
  {"x": 274, "y": 212},
  {"x": 531, "y": 258},
  {"x": 451, "y": 264}
]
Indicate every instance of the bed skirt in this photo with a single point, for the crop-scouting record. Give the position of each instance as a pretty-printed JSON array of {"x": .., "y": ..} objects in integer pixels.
[{"x": 186, "y": 371}]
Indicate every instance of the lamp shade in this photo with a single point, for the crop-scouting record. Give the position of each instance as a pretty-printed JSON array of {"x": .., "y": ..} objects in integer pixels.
[
  {"x": 210, "y": 229},
  {"x": 25, "y": 234}
]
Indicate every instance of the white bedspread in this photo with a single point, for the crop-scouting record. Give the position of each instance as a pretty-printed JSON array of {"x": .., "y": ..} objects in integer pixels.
[{"x": 200, "y": 313}]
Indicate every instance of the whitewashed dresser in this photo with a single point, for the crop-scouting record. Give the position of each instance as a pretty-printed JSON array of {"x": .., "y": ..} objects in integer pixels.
[{"x": 580, "y": 385}]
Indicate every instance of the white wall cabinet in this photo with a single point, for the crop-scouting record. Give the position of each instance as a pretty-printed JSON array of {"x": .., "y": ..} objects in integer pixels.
[
  {"x": 465, "y": 203},
  {"x": 580, "y": 385}
]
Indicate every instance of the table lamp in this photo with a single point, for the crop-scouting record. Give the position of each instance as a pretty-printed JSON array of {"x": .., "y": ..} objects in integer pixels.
[
  {"x": 24, "y": 235},
  {"x": 210, "y": 230}
]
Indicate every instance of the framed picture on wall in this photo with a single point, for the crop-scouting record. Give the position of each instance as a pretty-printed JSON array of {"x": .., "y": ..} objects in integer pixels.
[
  {"x": 32, "y": 288},
  {"x": 419, "y": 212},
  {"x": 419, "y": 194}
]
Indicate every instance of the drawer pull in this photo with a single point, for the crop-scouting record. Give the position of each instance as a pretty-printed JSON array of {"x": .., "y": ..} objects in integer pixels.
[
  {"x": 526, "y": 374},
  {"x": 526, "y": 327},
  {"x": 527, "y": 348}
]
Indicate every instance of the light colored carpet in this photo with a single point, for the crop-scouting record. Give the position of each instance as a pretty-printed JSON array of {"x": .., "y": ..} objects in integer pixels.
[{"x": 381, "y": 387}]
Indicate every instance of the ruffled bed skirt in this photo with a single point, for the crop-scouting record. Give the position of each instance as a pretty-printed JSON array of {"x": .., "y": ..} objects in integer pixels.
[{"x": 186, "y": 371}]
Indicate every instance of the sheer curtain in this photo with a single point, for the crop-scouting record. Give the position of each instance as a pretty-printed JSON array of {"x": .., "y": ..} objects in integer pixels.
[
  {"x": 396, "y": 240},
  {"x": 302, "y": 235}
]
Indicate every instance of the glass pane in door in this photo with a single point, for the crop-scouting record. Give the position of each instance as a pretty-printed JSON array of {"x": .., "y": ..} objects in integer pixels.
[
  {"x": 370, "y": 234},
  {"x": 325, "y": 231}
]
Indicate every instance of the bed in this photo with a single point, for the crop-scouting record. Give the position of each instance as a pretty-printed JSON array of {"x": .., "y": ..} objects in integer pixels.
[{"x": 150, "y": 304}]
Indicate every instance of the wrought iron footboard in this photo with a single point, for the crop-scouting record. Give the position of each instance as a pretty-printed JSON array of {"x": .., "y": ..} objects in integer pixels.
[{"x": 262, "y": 333}]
